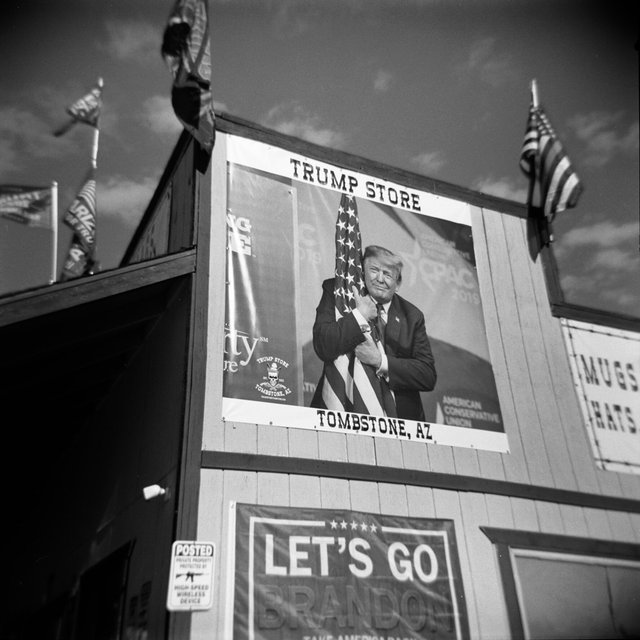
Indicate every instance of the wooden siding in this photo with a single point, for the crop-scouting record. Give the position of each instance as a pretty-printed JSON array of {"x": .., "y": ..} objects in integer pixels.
[
  {"x": 486, "y": 607},
  {"x": 546, "y": 483},
  {"x": 549, "y": 446}
]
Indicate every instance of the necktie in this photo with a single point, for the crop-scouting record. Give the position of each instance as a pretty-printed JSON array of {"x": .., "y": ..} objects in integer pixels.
[{"x": 380, "y": 321}]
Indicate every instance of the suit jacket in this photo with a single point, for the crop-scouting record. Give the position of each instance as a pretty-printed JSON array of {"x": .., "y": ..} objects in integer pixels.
[{"x": 411, "y": 363}]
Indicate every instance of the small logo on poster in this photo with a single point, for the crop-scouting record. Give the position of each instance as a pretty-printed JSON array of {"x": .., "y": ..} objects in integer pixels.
[{"x": 272, "y": 386}]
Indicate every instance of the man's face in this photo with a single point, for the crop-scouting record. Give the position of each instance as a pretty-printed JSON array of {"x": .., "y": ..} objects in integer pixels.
[{"x": 381, "y": 279}]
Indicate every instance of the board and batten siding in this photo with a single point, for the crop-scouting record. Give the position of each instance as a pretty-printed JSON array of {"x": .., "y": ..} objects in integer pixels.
[
  {"x": 486, "y": 607},
  {"x": 548, "y": 443},
  {"x": 550, "y": 455}
]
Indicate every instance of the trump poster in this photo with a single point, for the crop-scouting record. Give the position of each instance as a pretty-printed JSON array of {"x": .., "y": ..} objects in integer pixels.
[
  {"x": 305, "y": 574},
  {"x": 282, "y": 218}
]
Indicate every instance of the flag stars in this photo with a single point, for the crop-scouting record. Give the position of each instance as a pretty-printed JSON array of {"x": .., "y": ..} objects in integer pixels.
[{"x": 354, "y": 525}]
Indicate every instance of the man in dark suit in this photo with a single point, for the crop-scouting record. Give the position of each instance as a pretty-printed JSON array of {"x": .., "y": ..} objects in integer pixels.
[{"x": 385, "y": 332}]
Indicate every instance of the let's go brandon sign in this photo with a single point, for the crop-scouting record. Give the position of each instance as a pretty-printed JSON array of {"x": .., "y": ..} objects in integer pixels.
[{"x": 323, "y": 573}]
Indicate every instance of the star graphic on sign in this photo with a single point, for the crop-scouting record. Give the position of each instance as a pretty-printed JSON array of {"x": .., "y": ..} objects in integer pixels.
[
  {"x": 343, "y": 525},
  {"x": 354, "y": 525},
  {"x": 373, "y": 528},
  {"x": 364, "y": 526},
  {"x": 334, "y": 524}
]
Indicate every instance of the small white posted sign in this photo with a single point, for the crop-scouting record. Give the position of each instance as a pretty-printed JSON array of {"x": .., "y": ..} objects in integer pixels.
[{"x": 191, "y": 576}]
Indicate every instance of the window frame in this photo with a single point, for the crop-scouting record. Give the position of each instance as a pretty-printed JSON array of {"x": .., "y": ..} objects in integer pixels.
[{"x": 510, "y": 543}]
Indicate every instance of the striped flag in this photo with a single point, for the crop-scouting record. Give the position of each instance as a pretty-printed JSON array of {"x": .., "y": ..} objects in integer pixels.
[
  {"x": 81, "y": 214},
  {"x": 544, "y": 160},
  {"x": 31, "y": 206},
  {"x": 81, "y": 218},
  {"x": 350, "y": 385},
  {"x": 79, "y": 261},
  {"x": 86, "y": 110},
  {"x": 186, "y": 49}
]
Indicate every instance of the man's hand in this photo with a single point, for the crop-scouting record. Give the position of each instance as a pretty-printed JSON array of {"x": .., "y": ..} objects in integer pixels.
[
  {"x": 368, "y": 353},
  {"x": 365, "y": 304}
]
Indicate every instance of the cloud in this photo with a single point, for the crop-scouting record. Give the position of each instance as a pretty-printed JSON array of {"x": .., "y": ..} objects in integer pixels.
[
  {"x": 601, "y": 131},
  {"x": 382, "y": 81},
  {"x": 429, "y": 162},
  {"x": 26, "y": 135},
  {"x": 131, "y": 40},
  {"x": 158, "y": 115},
  {"x": 603, "y": 234},
  {"x": 492, "y": 68},
  {"x": 292, "y": 19},
  {"x": 502, "y": 188},
  {"x": 600, "y": 257},
  {"x": 125, "y": 199},
  {"x": 611, "y": 289},
  {"x": 292, "y": 119}
]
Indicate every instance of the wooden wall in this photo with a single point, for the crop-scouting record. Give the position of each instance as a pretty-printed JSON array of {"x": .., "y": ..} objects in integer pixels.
[
  {"x": 486, "y": 608},
  {"x": 549, "y": 447}
]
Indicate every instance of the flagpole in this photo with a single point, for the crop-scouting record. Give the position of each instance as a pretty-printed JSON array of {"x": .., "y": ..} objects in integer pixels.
[
  {"x": 96, "y": 136},
  {"x": 533, "y": 177},
  {"x": 54, "y": 227},
  {"x": 545, "y": 234}
]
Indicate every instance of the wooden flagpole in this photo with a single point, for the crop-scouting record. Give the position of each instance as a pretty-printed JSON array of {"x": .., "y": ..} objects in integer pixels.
[{"x": 54, "y": 227}]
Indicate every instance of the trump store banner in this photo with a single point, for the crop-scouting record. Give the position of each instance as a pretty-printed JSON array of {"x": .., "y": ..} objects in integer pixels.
[
  {"x": 294, "y": 223},
  {"x": 305, "y": 574},
  {"x": 605, "y": 364}
]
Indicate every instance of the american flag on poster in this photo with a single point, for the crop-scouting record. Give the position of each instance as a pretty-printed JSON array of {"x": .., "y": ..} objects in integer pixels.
[
  {"x": 348, "y": 384},
  {"x": 27, "y": 205},
  {"x": 543, "y": 159},
  {"x": 86, "y": 109},
  {"x": 81, "y": 214}
]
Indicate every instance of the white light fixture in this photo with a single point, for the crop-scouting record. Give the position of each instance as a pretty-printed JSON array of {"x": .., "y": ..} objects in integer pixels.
[{"x": 155, "y": 490}]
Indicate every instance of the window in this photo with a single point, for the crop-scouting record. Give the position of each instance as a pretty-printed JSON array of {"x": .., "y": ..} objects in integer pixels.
[{"x": 564, "y": 587}]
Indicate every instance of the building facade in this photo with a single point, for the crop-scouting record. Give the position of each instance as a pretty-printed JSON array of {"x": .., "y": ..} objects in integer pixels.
[{"x": 509, "y": 508}]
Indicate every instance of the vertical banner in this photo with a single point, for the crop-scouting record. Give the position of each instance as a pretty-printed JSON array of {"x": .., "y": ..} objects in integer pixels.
[
  {"x": 605, "y": 364},
  {"x": 334, "y": 574},
  {"x": 282, "y": 215},
  {"x": 261, "y": 353}
]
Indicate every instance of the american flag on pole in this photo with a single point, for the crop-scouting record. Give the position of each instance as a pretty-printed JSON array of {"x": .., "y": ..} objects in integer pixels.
[
  {"x": 544, "y": 160},
  {"x": 186, "y": 49},
  {"x": 348, "y": 384},
  {"x": 27, "y": 205},
  {"x": 86, "y": 109}
]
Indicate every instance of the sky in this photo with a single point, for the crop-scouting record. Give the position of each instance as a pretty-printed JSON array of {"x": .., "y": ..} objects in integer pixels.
[{"x": 437, "y": 87}]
